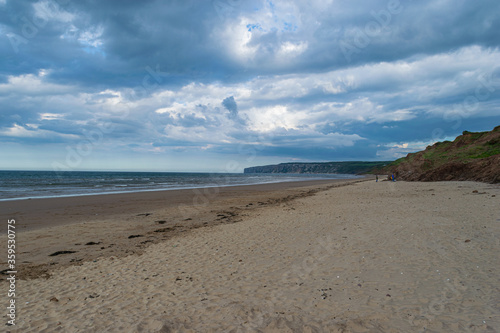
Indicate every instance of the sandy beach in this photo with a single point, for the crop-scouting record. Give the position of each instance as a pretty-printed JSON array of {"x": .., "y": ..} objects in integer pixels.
[{"x": 326, "y": 256}]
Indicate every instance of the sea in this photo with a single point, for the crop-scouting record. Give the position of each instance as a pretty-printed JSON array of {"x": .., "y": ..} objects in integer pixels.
[{"x": 18, "y": 185}]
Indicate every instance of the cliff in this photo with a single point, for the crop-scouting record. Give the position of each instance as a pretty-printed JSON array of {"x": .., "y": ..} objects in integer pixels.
[
  {"x": 328, "y": 167},
  {"x": 471, "y": 156}
]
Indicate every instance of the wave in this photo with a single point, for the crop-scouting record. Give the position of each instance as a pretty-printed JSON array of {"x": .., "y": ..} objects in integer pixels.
[{"x": 17, "y": 185}]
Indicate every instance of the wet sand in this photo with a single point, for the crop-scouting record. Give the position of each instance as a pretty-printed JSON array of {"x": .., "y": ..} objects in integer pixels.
[
  {"x": 41, "y": 213},
  {"x": 356, "y": 257}
]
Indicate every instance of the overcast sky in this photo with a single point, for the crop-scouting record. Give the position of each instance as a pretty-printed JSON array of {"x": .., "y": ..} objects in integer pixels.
[{"x": 225, "y": 84}]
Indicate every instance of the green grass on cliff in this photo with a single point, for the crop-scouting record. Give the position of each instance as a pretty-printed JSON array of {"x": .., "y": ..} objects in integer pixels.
[{"x": 466, "y": 147}]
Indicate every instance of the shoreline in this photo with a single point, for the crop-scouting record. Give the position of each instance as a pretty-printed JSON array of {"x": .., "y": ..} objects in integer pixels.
[
  {"x": 86, "y": 228},
  {"x": 39, "y": 213},
  {"x": 168, "y": 189}
]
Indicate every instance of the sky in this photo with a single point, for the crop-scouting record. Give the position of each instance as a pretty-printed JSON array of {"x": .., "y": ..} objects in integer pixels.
[{"x": 217, "y": 86}]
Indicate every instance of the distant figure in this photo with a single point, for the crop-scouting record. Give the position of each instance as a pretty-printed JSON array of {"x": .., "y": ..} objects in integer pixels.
[
  {"x": 393, "y": 178},
  {"x": 376, "y": 178}
]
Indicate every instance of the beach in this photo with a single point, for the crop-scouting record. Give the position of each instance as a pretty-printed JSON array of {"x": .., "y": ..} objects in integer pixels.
[{"x": 316, "y": 256}]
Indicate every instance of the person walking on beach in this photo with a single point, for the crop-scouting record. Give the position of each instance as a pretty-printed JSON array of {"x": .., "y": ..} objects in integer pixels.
[
  {"x": 393, "y": 178},
  {"x": 376, "y": 178}
]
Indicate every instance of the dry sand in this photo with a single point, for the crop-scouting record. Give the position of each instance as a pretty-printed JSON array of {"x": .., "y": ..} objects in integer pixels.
[{"x": 368, "y": 257}]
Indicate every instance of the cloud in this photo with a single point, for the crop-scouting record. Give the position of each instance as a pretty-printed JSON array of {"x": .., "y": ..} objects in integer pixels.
[
  {"x": 230, "y": 104},
  {"x": 213, "y": 77}
]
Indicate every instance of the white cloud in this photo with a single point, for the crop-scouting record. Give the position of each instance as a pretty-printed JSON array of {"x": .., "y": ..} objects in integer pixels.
[
  {"x": 50, "y": 10},
  {"x": 271, "y": 118},
  {"x": 236, "y": 40},
  {"x": 395, "y": 150},
  {"x": 50, "y": 116},
  {"x": 292, "y": 49},
  {"x": 269, "y": 102},
  {"x": 92, "y": 37},
  {"x": 32, "y": 131},
  {"x": 32, "y": 85},
  {"x": 272, "y": 31}
]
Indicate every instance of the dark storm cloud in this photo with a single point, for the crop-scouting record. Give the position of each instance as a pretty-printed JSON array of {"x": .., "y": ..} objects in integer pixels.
[
  {"x": 230, "y": 104},
  {"x": 112, "y": 42},
  {"x": 391, "y": 30}
]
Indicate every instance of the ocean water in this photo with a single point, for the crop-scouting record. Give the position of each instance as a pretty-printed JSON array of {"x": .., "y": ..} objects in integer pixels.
[{"x": 15, "y": 185}]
